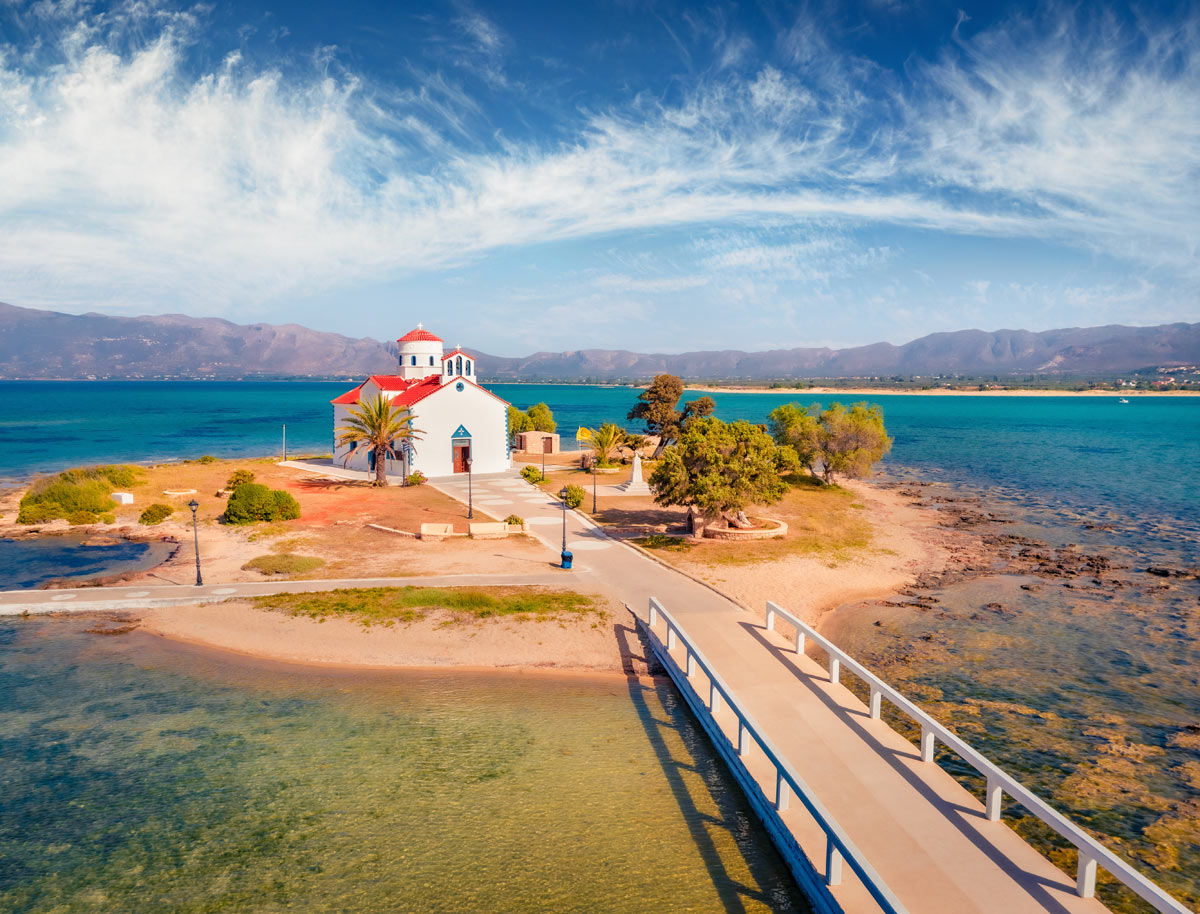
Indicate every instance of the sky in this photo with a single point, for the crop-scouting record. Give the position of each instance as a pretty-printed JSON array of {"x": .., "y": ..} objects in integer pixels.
[{"x": 653, "y": 176}]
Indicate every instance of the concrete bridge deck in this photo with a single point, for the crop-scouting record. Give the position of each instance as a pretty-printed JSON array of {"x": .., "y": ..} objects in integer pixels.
[{"x": 928, "y": 837}]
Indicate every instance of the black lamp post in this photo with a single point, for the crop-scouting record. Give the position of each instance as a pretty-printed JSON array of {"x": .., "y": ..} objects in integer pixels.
[
  {"x": 595, "y": 473},
  {"x": 566, "y": 556},
  {"x": 470, "y": 492},
  {"x": 193, "y": 504}
]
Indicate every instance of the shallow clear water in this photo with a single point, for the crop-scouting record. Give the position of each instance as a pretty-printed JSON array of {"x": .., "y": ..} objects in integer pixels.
[
  {"x": 143, "y": 776},
  {"x": 28, "y": 563}
]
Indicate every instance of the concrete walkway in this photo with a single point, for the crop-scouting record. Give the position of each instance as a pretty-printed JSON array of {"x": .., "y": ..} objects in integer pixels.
[
  {"x": 927, "y": 837},
  {"x": 94, "y": 599}
]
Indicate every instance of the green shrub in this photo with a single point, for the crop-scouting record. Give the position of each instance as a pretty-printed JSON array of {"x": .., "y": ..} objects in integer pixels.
[
  {"x": 239, "y": 478},
  {"x": 156, "y": 514},
  {"x": 416, "y": 478},
  {"x": 108, "y": 518},
  {"x": 574, "y": 496},
  {"x": 513, "y": 519},
  {"x": 39, "y": 512},
  {"x": 207, "y": 458},
  {"x": 532, "y": 474},
  {"x": 283, "y": 563},
  {"x": 77, "y": 518},
  {"x": 253, "y": 502},
  {"x": 81, "y": 489}
]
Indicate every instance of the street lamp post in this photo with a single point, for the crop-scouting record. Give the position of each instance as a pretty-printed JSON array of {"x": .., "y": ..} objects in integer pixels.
[
  {"x": 193, "y": 504},
  {"x": 566, "y": 556},
  {"x": 470, "y": 492},
  {"x": 595, "y": 473}
]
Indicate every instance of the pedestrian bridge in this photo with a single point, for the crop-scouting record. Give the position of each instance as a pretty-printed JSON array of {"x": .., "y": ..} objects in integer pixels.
[{"x": 866, "y": 820}]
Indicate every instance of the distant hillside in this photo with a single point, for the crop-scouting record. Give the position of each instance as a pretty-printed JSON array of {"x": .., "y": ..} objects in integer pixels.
[
  {"x": 47, "y": 344},
  {"x": 1091, "y": 350}
]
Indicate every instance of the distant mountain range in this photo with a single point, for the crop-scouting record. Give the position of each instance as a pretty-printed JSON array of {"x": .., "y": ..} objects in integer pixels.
[{"x": 47, "y": 344}]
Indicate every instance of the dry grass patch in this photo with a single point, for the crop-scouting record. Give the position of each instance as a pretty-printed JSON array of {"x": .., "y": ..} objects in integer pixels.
[
  {"x": 283, "y": 563},
  {"x": 389, "y": 605}
]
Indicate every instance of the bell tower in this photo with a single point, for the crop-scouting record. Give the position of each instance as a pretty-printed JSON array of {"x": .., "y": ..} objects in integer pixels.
[{"x": 420, "y": 354}]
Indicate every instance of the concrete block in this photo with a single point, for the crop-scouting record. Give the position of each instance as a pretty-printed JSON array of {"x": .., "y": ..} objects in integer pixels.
[
  {"x": 488, "y": 531},
  {"x": 122, "y": 498}
]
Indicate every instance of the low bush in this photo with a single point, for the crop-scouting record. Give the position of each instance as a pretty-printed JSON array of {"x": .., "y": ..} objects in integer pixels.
[
  {"x": 252, "y": 503},
  {"x": 108, "y": 518},
  {"x": 156, "y": 514},
  {"x": 239, "y": 478},
  {"x": 207, "y": 458},
  {"x": 513, "y": 519},
  {"x": 39, "y": 512},
  {"x": 82, "y": 489},
  {"x": 574, "y": 496},
  {"x": 77, "y": 518},
  {"x": 283, "y": 563},
  {"x": 415, "y": 478},
  {"x": 532, "y": 474}
]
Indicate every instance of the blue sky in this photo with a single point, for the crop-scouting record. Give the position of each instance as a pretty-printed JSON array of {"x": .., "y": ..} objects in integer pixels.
[{"x": 649, "y": 176}]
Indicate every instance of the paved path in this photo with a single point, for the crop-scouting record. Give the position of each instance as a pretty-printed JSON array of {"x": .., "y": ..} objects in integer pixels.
[
  {"x": 927, "y": 837},
  {"x": 93, "y": 599}
]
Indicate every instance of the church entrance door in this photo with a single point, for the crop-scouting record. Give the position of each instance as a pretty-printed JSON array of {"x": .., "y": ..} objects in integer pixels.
[{"x": 461, "y": 453}]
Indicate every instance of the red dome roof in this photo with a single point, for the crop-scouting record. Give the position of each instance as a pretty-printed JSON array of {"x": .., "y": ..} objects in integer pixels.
[{"x": 419, "y": 335}]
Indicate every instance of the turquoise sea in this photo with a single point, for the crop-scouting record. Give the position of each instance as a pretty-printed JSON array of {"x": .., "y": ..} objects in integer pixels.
[
  {"x": 1089, "y": 693},
  {"x": 1136, "y": 463}
]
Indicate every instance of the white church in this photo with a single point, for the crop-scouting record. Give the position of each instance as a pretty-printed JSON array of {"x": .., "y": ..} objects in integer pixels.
[{"x": 459, "y": 421}]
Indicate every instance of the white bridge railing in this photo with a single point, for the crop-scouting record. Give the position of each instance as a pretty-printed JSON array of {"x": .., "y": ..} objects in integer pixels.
[
  {"x": 838, "y": 846},
  {"x": 1091, "y": 852}
]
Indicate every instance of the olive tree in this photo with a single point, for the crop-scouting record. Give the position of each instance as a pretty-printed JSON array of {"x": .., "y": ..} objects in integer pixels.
[
  {"x": 846, "y": 442},
  {"x": 658, "y": 408},
  {"x": 722, "y": 468}
]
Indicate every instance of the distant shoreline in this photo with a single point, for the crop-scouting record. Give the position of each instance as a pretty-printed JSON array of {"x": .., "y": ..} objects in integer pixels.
[
  {"x": 631, "y": 385},
  {"x": 941, "y": 392}
]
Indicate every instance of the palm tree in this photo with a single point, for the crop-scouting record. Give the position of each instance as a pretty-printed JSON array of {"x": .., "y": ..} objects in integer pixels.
[
  {"x": 384, "y": 428},
  {"x": 606, "y": 439}
]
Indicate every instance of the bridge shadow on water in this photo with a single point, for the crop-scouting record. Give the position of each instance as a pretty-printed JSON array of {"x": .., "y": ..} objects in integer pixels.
[{"x": 772, "y": 886}]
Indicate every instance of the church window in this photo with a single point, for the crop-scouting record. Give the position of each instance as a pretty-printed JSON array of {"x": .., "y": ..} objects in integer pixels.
[
  {"x": 458, "y": 365},
  {"x": 468, "y": 371},
  {"x": 431, "y": 360},
  {"x": 414, "y": 360}
]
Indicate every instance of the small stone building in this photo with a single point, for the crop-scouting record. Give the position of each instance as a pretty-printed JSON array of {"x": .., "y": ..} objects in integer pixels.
[{"x": 538, "y": 443}]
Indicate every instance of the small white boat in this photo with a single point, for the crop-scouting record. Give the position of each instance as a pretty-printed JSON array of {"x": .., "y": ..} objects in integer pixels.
[{"x": 1122, "y": 400}]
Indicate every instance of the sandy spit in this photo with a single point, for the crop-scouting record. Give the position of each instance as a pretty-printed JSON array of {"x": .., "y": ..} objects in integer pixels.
[{"x": 440, "y": 640}]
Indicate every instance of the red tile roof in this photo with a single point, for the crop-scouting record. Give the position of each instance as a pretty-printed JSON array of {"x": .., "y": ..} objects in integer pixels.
[
  {"x": 452, "y": 354},
  {"x": 405, "y": 391},
  {"x": 350, "y": 396},
  {"x": 419, "y": 335}
]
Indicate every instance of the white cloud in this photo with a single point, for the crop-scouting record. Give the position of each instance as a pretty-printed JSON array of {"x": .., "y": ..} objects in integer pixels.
[{"x": 122, "y": 173}]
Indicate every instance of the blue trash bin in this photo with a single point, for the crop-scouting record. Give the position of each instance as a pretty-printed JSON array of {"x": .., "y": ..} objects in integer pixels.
[{"x": 566, "y": 559}]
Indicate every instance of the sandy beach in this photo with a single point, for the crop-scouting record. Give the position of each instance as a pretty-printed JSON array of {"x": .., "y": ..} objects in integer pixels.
[
  {"x": 587, "y": 644},
  {"x": 858, "y": 541}
]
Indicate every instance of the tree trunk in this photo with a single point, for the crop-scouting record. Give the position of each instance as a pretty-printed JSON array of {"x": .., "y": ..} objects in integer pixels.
[
  {"x": 663, "y": 441},
  {"x": 380, "y": 471}
]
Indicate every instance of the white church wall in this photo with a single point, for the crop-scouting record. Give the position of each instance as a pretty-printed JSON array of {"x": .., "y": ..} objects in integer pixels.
[{"x": 440, "y": 414}]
